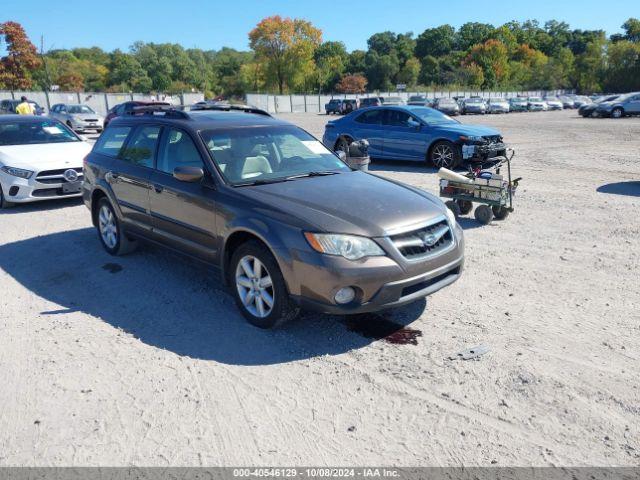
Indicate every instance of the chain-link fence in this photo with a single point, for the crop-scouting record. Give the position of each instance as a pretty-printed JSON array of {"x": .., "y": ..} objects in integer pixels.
[
  {"x": 315, "y": 103},
  {"x": 98, "y": 101}
]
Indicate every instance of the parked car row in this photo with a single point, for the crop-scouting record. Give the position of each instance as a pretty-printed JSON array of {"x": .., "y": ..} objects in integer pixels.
[
  {"x": 613, "y": 106},
  {"x": 294, "y": 226},
  {"x": 347, "y": 105}
]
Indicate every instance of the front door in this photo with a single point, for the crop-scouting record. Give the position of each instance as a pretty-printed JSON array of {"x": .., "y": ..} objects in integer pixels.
[
  {"x": 403, "y": 137},
  {"x": 183, "y": 212}
]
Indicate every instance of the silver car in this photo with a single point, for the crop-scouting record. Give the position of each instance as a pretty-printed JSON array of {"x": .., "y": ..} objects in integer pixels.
[
  {"x": 621, "y": 106},
  {"x": 80, "y": 118},
  {"x": 498, "y": 105}
]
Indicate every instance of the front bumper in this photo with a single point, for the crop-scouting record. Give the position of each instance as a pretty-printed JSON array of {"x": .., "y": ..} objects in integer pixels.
[
  {"x": 481, "y": 153},
  {"x": 381, "y": 282},
  {"x": 25, "y": 190}
]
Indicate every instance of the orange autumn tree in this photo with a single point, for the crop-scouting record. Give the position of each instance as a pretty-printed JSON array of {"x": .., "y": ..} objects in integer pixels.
[
  {"x": 493, "y": 57},
  {"x": 352, "y": 84},
  {"x": 21, "y": 58},
  {"x": 286, "y": 48}
]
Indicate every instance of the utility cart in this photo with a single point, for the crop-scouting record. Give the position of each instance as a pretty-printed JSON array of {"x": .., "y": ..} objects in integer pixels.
[{"x": 486, "y": 187}]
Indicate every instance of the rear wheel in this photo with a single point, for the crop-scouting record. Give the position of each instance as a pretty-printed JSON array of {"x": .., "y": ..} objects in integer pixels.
[
  {"x": 484, "y": 214},
  {"x": 342, "y": 145},
  {"x": 617, "y": 112},
  {"x": 445, "y": 155},
  {"x": 112, "y": 236},
  {"x": 500, "y": 213},
  {"x": 465, "y": 206},
  {"x": 259, "y": 288}
]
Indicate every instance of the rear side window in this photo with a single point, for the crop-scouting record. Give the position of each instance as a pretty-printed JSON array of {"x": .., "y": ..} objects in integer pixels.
[
  {"x": 111, "y": 141},
  {"x": 141, "y": 147},
  {"x": 372, "y": 117}
]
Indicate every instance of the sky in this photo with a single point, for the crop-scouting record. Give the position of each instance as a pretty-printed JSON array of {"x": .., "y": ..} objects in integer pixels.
[{"x": 212, "y": 24}]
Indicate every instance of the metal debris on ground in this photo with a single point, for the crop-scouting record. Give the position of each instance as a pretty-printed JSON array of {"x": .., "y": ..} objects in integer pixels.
[{"x": 470, "y": 353}]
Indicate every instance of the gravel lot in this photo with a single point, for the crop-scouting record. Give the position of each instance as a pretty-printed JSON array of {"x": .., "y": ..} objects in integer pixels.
[{"x": 144, "y": 360}]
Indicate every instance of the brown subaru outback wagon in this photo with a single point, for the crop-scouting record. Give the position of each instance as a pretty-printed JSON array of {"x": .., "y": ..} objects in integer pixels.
[{"x": 287, "y": 222}]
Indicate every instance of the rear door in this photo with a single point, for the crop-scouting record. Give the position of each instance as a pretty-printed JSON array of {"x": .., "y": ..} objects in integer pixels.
[
  {"x": 130, "y": 174},
  {"x": 404, "y": 138},
  {"x": 633, "y": 105},
  {"x": 183, "y": 213},
  {"x": 368, "y": 125}
]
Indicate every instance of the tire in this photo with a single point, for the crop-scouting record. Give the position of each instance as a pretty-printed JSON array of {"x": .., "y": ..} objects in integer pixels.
[
  {"x": 617, "y": 113},
  {"x": 500, "y": 213},
  {"x": 483, "y": 214},
  {"x": 116, "y": 242},
  {"x": 445, "y": 154},
  {"x": 250, "y": 293},
  {"x": 454, "y": 207},
  {"x": 465, "y": 206},
  {"x": 342, "y": 145},
  {"x": 4, "y": 203}
]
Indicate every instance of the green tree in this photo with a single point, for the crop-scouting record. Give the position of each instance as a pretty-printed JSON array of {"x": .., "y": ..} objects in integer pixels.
[
  {"x": 437, "y": 41},
  {"x": 410, "y": 72},
  {"x": 623, "y": 67},
  {"x": 331, "y": 59},
  {"x": 589, "y": 66},
  {"x": 473, "y": 33}
]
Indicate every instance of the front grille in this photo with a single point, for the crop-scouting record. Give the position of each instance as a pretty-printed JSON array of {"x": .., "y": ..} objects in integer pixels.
[
  {"x": 493, "y": 138},
  {"x": 56, "y": 176},
  {"x": 51, "y": 192},
  {"x": 47, "y": 173},
  {"x": 427, "y": 283},
  {"x": 412, "y": 244},
  {"x": 90, "y": 120}
]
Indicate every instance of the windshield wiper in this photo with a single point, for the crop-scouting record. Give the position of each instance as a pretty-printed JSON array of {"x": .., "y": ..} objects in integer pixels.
[
  {"x": 313, "y": 174},
  {"x": 261, "y": 182}
]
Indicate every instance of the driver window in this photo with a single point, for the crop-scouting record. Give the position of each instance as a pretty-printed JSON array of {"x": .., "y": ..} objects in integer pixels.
[
  {"x": 397, "y": 118},
  {"x": 177, "y": 150}
]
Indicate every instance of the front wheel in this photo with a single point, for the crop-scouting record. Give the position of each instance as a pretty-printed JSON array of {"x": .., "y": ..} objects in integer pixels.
[
  {"x": 112, "y": 236},
  {"x": 445, "y": 155},
  {"x": 3, "y": 201},
  {"x": 259, "y": 288}
]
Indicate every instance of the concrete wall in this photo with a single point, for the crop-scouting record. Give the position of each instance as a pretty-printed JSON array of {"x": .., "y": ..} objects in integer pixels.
[{"x": 316, "y": 103}]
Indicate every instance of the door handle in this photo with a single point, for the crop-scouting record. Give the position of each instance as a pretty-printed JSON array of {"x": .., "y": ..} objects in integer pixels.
[
  {"x": 158, "y": 188},
  {"x": 112, "y": 177}
]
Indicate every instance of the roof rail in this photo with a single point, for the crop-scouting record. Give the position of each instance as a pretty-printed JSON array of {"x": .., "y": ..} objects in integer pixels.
[
  {"x": 169, "y": 111},
  {"x": 227, "y": 107}
]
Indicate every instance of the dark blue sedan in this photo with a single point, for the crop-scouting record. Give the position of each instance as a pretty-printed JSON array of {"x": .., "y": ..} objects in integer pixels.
[{"x": 415, "y": 133}]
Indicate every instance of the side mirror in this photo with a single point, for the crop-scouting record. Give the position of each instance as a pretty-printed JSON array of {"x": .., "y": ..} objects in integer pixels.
[
  {"x": 342, "y": 155},
  {"x": 414, "y": 125},
  {"x": 188, "y": 174}
]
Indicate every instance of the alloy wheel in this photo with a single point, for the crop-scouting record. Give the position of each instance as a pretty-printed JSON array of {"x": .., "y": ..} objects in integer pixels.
[
  {"x": 442, "y": 156},
  {"x": 255, "y": 286},
  {"x": 107, "y": 226}
]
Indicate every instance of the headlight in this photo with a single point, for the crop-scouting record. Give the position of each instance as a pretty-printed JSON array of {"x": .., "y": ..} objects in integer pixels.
[
  {"x": 471, "y": 138},
  {"x": 350, "y": 247},
  {"x": 451, "y": 216},
  {"x": 17, "y": 172}
]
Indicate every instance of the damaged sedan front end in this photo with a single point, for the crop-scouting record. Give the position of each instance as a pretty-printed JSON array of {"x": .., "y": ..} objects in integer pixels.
[{"x": 482, "y": 148}]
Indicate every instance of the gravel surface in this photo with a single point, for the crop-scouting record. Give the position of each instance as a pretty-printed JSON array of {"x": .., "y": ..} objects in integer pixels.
[{"x": 144, "y": 360}]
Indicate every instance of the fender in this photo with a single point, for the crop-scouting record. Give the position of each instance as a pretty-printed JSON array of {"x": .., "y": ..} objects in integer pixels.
[{"x": 102, "y": 186}]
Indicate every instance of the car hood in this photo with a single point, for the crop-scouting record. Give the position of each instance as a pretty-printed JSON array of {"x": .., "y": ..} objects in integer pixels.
[
  {"x": 45, "y": 155},
  {"x": 353, "y": 203},
  {"x": 85, "y": 116},
  {"x": 465, "y": 129}
]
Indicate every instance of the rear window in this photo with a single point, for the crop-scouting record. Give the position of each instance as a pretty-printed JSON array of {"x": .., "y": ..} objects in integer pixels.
[{"x": 111, "y": 141}]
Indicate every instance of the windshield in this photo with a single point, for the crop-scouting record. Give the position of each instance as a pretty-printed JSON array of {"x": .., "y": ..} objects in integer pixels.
[
  {"x": 79, "y": 109},
  {"x": 269, "y": 154},
  {"x": 497, "y": 100},
  {"x": 431, "y": 116},
  {"x": 30, "y": 133},
  {"x": 474, "y": 100},
  {"x": 519, "y": 100},
  {"x": 535, "y": 99},
  {"x": 446, "y": 101},
  {"x": 551, "y": 99}
]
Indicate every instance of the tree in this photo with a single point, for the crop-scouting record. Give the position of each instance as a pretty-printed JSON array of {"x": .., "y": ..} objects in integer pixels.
[
  {"x": 632, "y": 29},
  {"x": 492, "y": 57},
  {"x": 436, "y": 41},
  {"x": 352, "y": 84},
  {"x": 331, "y": 59},
  {"x": 21, "y": 58},
  {"x": 623, "y": 68},
  {"x": 286, "y": 46},
  {"x": 357, "y": 62},
  {"x": 410, "y": 72},
  {"x": 126, "y": 73},
  {"x": 589, "y": 66},
  {"x": 381, "y": 70},
  {"x": 473, "y": 33},
  {"x": 382, "y": 43}
]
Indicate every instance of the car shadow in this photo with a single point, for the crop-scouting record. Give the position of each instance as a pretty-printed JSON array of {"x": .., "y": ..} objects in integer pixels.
[
  {"x": 171, "y": 303},
  {"x": 43, "y": 206},
  {"x": 631, "y": 188}
]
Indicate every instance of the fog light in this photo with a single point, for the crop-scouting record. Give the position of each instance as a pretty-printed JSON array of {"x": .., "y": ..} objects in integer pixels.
[
  {"x": 13, "y": 191},
  {"x": 345, "y": 295}
]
